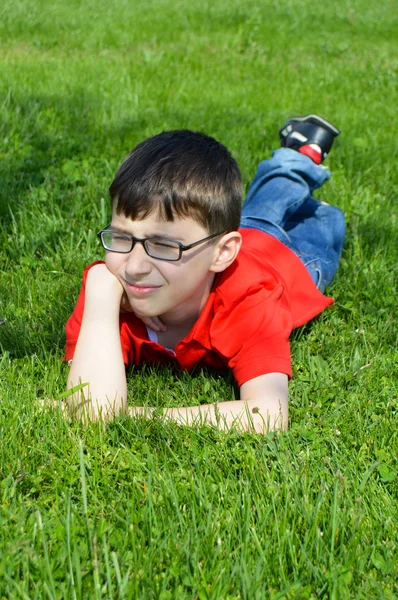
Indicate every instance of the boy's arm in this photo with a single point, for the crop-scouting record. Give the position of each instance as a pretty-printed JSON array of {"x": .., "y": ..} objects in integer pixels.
[
  {"x": 98, "y": 358},
  {"x": 263, "y": 407},
  {"x": 98, "y": 361}
]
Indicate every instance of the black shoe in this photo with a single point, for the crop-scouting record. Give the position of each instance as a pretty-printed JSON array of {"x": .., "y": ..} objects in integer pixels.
[{"x": 300, "y": 132}]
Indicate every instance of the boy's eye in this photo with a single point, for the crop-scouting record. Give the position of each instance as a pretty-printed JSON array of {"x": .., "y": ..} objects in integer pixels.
[
  {"x": 162, "y": 244},
  {"x": 116, "y": 241},
  {"x": 163, "y": 249}
]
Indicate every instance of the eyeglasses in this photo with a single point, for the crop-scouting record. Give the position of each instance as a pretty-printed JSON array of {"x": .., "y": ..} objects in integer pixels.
[{"x": 159, "y": 248}]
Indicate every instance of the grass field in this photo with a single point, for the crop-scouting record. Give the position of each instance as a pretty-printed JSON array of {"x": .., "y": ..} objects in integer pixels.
[{"x": 147, "y": 509}]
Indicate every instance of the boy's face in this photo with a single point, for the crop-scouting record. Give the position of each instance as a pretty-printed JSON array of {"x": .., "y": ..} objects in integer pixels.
[{"x": 174, "y": 291}]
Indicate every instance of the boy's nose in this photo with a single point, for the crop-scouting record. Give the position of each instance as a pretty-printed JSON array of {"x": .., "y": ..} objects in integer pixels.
[{"x": 138, "y": 261}]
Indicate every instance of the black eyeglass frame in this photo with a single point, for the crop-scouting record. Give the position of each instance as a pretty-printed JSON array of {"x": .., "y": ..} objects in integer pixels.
[{"x": 143, "y": 241}]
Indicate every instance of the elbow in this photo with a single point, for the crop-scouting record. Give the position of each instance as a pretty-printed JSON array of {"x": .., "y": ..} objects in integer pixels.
[{"x": 86, "y": 403}]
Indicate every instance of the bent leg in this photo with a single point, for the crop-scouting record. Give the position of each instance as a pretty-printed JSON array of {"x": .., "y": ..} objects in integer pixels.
[
  {"x": 281, "y": 185},
  {"x": 280, "y": 202},
  {"x": 317, "y": 232},
  {"x": 315, "y": 221}
]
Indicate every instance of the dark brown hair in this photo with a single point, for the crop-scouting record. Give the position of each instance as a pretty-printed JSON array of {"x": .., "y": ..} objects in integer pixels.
[{"x": 184, "y": 174}]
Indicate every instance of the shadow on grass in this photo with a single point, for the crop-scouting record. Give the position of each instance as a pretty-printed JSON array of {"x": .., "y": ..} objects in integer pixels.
[
  {"x": 35, "y": 143},
  {"x": 380, "y": 237},
  {"x": 43, "y": 131}
]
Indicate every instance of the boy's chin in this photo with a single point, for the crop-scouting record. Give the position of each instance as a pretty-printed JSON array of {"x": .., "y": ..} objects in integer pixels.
[{"x": 142, "y": 314}]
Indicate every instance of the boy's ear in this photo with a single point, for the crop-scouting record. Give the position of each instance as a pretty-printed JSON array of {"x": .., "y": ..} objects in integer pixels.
[{"x": 226, "y": 251}]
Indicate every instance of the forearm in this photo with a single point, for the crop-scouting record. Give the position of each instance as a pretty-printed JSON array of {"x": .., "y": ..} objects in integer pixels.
[
  {"x": 250, "y": 415},
  {"x": 98, "y": 358}
]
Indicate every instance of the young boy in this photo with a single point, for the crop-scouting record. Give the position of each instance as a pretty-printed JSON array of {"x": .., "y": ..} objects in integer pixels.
[{"x": 189, "y": 280}]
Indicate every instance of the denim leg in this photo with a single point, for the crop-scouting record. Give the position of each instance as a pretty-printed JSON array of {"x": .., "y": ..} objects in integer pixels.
[{"x": 280, "y": 202}]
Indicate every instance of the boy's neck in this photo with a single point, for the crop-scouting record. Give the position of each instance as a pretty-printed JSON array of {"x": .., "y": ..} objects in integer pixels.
[{"x": 184, "y": 317}]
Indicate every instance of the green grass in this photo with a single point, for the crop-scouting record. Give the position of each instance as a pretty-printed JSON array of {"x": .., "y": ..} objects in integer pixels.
[{"x": 149, "y": 510}]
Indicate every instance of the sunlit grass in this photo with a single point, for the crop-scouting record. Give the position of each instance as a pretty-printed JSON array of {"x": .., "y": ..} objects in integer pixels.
[{"x": 146, "y": 509}]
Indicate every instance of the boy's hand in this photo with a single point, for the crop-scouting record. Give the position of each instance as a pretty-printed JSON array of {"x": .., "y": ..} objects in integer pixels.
[{"x": 154, "y": 323}]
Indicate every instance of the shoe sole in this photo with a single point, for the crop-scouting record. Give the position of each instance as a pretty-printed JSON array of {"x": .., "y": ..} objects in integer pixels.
[{"x": 316, "y": 120}]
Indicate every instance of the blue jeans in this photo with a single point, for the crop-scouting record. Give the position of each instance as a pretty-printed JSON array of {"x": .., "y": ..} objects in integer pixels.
[{"x": 280, "y": 202}]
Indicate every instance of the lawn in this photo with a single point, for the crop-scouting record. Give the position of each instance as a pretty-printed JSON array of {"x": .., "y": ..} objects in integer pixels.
[{"x": 146, "y": 509}]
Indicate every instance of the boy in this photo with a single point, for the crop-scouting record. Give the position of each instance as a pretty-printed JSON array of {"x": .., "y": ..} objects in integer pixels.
[{"x": 189, "y": 280}]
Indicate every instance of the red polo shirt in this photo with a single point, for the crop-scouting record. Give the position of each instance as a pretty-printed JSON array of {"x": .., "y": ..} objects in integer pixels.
[{"x": 246, "y": 322}]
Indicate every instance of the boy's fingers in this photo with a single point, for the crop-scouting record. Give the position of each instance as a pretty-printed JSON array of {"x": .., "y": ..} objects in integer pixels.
[
  {"x": 71, "y": 409},
  {"x": 48, "y": 402},
  {"x": 154, "y": 323}
]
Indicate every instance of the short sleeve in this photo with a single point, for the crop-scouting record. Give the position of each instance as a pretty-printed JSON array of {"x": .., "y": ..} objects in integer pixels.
[
  {"x": 253, "y": 335},
  {"x": 74, "y": 322}
]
